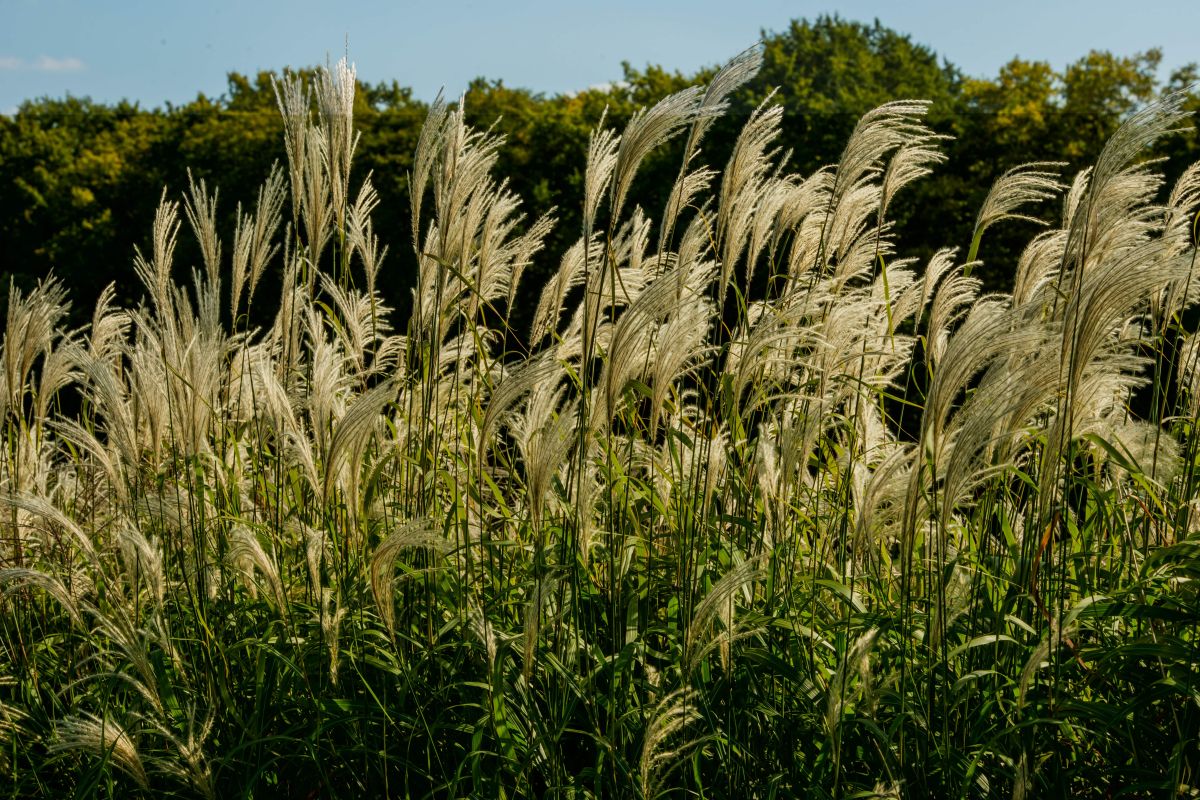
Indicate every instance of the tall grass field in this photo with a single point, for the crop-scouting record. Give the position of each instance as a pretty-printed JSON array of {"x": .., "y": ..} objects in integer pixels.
[{"x": 756, "y": 507}]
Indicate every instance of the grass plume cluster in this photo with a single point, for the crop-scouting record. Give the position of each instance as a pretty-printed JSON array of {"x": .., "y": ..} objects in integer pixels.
[{"x": 756, "y": 508}]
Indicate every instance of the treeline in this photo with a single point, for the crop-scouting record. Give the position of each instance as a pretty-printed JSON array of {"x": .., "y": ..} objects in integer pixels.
[{"x": 80, "y": 180}]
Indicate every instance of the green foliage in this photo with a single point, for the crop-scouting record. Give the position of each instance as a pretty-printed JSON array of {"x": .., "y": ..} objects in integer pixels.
[{"x": 77, "y": 178}]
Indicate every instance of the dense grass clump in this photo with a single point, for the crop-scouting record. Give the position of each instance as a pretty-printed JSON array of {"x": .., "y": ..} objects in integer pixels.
[{"x": 756, "y": 508}]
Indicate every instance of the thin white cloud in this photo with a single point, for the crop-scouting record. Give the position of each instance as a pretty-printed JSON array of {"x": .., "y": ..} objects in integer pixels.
[
  {"x": 41, "y": 64},
  {"x": 607, "y": 86},
  {"x": 51, "y": 64}
]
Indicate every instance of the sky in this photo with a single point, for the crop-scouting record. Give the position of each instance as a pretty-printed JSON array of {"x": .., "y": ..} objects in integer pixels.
[{"x": 157, "y": 51}]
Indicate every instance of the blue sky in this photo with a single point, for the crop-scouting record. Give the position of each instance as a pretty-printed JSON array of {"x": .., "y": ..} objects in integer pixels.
[{"x": 154, "y": 51}]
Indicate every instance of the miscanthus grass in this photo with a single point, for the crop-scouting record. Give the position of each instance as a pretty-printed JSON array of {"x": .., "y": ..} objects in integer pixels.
[{"x": 860, "y": 532}]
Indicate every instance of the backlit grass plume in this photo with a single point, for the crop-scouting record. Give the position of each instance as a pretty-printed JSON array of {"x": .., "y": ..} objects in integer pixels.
[{"x": 751, "y": 503}]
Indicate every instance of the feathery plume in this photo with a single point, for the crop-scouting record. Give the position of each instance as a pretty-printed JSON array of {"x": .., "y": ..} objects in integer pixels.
[
  {"x": 737, "y": 72},
  {"x": 252, "y": 239},
  {"x": 543, "y": 589},
  {"x": 1019, "y": 186},
  {"x": 415, "y": 533},
  {"x": 718, "y": 604},
  {"x": 673, "y": 714},
  {"x": 351, "y": 437},
  {"x": 603, "y": 144},
  {"x": 855, "y": 662},
  {"x": 104, "y": 738},
  {"x": 201, "y": 210},
  {"x": 741, "y": 186},
  {"x": 14, "y": 578},
  {"x": 294, "y": 99},
  {"x": 647, "y": 129},
  {"x": 247, "y": 554}
]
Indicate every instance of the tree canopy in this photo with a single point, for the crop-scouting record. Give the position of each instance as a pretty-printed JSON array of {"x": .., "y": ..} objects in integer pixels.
[{"x": 79, "y": 180}]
